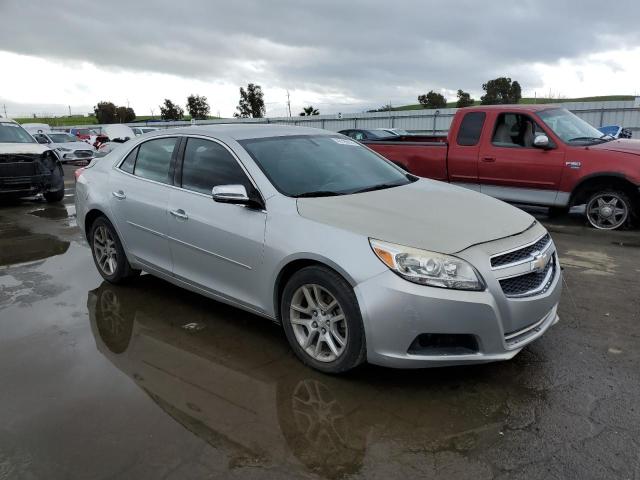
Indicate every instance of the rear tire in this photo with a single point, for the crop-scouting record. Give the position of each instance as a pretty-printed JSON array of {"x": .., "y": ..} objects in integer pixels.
[
  {"x": 108, "y": 254},
  {"x": 322, "y": 321}
]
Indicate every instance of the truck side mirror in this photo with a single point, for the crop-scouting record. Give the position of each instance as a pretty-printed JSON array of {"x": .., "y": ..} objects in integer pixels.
[{"x": 542, "y": 141}]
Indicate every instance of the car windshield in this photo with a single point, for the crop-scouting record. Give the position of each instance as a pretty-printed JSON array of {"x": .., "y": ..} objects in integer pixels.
[
  {"x": 62, "y": 138},
  {"x": 569, "y": 127},
  {"x": 14, "y": 133},
  {"x": 322, "y": 165},
  {"x": 382, "y": 133}
]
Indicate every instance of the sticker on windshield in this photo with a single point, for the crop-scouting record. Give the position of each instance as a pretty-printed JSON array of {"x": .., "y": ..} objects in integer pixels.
[{"x": 344, "y": 141}]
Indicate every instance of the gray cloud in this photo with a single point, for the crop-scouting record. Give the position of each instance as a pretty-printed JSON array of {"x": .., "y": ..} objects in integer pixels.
[{"x": 363, "y": 50}]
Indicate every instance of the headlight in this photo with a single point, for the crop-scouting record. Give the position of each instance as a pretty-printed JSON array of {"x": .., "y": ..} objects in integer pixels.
[{"x": 427, "y": 268}]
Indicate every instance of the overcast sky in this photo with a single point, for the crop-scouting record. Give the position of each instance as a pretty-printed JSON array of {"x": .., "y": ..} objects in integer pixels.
[{"x": 339, "y": 55}]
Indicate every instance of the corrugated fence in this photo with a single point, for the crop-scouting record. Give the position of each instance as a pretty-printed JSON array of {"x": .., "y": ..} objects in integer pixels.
[{"x": 623, "y": 113}]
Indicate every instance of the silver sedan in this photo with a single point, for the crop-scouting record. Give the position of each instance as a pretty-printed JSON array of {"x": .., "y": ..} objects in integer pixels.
[{"x": 356, "y": 259}]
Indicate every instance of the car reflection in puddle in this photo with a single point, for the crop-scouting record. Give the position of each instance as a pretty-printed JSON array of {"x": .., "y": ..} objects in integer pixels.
[
  {"x": 236, "y": 385},
  {"x": 19, "y": 245}
]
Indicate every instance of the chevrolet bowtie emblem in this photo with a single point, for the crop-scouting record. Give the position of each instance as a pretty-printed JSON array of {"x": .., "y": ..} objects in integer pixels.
[{"x": 540, "y": 261}]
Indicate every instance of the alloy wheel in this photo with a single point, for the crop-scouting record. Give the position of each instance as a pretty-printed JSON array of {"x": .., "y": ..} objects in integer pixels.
[
  {"x": 607, "y": 211},
  {"x": 319, "y": 323},
  {"x": 104, "y": 248}
]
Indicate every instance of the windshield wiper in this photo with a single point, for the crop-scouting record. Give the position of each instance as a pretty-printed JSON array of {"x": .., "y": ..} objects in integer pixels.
[
  {"x": 318, "y": 193},
  {"x": 380, "y": 186},
  {"x": 590, "y": 139}
]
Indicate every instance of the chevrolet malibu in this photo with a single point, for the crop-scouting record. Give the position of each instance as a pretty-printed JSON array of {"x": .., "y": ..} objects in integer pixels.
[{"x": 355, "y": 258}]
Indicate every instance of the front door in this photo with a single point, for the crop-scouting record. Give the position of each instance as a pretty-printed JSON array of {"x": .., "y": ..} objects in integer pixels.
[
  {"x": 217, "y": 246},
  {"x": 139, "y": 199},
  {"x": 512, "y": 169}
]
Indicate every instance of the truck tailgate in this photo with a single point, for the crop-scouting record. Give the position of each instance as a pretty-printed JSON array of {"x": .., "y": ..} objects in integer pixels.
[{"x": 425, "y": 159}]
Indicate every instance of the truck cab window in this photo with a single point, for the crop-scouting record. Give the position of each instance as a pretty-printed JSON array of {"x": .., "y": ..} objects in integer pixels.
[
  {"x": 471, "y": 128},
  {"x": 515, "y": 130}
]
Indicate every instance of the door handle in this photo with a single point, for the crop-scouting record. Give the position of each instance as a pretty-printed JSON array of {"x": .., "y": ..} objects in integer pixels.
[
  {"x": 179, "y": 214},
  {"x": 489, "y": 159},
  {"x": 119, "y": 195}
]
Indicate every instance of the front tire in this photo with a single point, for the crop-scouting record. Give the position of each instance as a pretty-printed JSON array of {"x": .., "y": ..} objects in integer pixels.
[
  {"x": 56, "y": 191},
  {"x": 108, "y": 254},
  {"x": 609, "y": 209},
  {"x": 322, "y": 321}
]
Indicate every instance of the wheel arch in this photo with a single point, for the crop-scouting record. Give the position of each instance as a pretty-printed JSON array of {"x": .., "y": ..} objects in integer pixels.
[
  {"x": 292, "y": 265},
  {"x": 591, "y": 183}
]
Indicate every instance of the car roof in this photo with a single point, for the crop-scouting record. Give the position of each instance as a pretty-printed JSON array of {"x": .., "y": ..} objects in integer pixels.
[{"x": 243, "y": 131}]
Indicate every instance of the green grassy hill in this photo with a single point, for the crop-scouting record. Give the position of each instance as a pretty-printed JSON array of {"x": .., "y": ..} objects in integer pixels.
[{"x": 531, "y": 100}]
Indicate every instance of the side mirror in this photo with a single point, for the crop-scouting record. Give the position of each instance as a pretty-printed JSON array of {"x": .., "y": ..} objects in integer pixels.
[
  {"x": 40, "y": 139},
  {"x": 541, "y": 141},
  {"x": 230, "y": 194},
  {"x": 236, "y": 194}
]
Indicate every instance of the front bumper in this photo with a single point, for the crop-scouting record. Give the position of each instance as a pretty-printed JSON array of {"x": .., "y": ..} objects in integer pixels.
[{"x": 396, "y": 312}]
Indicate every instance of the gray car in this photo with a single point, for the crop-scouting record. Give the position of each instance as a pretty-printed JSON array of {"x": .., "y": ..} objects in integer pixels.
[{"x": 356, "y": 259}]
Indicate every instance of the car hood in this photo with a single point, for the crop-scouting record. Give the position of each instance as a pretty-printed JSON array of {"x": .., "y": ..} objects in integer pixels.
[
  {"x": 425, "y": 214},
  {"x": 23, "y": 148},
  {"x": 73, "y": 145},
  {"x": 622, "y": 145}
]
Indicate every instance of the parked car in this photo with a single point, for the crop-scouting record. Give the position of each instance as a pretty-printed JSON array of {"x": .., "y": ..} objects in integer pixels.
[
  {"x": 68, "y": 147},
  {"x": 82, "y": 133},
  {"x": 312, "y": 230},
  {"x": 111, "y": 136},
  {"x": 27, "y": 168},
  {"x": 399, "y": 132},
  {"x": 34, "y": 128},
  {"x": 142, "y": 130},
  {"x": 360, "y": 134},
  {"x": 616, "y": 131},
  {"x": 531, "y": 154}
]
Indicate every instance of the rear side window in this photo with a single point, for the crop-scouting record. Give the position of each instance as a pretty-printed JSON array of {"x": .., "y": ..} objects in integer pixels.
[
  {"x": 154, "y": 160},
  {"x": 129, "y": 161},
  {"x": 470, "y": 129},
  {"x": 207, "y": 164}
]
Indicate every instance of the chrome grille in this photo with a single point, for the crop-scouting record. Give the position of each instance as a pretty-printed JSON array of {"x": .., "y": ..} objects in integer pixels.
[
  {"x": 521, "y": 254},
  {"x": 529, "y": 284}
]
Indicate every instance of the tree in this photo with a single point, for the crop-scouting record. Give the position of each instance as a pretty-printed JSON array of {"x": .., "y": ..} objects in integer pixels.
[
  {"x": 171, "y": 111},
  {"x": 125, "y": 115},
  {"x": 197, "y": 107},
  {"x": 501, "y": 91},
  {"x": 308, "y": 111},
  {"x": 251, "y": 102},
  {"x": 433, "y": 100},
  {"x": 464, "y": 99},
  {"x": 105, "y": 112}
]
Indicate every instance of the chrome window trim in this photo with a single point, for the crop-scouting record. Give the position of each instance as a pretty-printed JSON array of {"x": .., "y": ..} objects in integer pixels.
[{"x": 117, "y": 165}]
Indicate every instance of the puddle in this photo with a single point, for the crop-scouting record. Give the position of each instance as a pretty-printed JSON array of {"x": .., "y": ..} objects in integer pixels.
[
  {"x": 591, "y": 262},
  {"x": 19, "y": 245},
  {"x": 54, "y": 213}
]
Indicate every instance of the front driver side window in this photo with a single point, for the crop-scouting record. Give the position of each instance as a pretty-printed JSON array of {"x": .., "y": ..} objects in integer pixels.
[
  {"x": 207, "y": 164},
  {"x": 515, "y": 130}
]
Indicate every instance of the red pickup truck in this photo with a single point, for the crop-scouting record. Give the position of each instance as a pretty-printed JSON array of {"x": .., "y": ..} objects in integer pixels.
[{"x": 530, "y": 154}]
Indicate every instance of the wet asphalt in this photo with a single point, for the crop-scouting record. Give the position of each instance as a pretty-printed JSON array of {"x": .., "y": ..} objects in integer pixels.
[{"x": 151, "y": 381}]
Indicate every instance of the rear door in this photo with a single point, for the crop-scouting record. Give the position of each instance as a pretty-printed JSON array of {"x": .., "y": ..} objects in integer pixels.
[
  {"x": 140, "y": 188},
  {"x": 216, "y": 246},
  {"x": 512, "y": 169}
]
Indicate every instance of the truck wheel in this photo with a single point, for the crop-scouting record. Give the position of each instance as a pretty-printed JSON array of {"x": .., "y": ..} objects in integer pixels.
[
  {"x": 56, "y": 191},
  {"x": 321, "y": 319},
  {"x": 609, "y": 209}
]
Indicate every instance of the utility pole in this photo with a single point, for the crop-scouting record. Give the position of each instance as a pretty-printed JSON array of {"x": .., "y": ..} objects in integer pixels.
[
  {"x": 69, "y": 110},
  {"x": 152, "y": 114},
  {"x": 5, "y": 110},
  {"x": 288, "y": 103}
]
